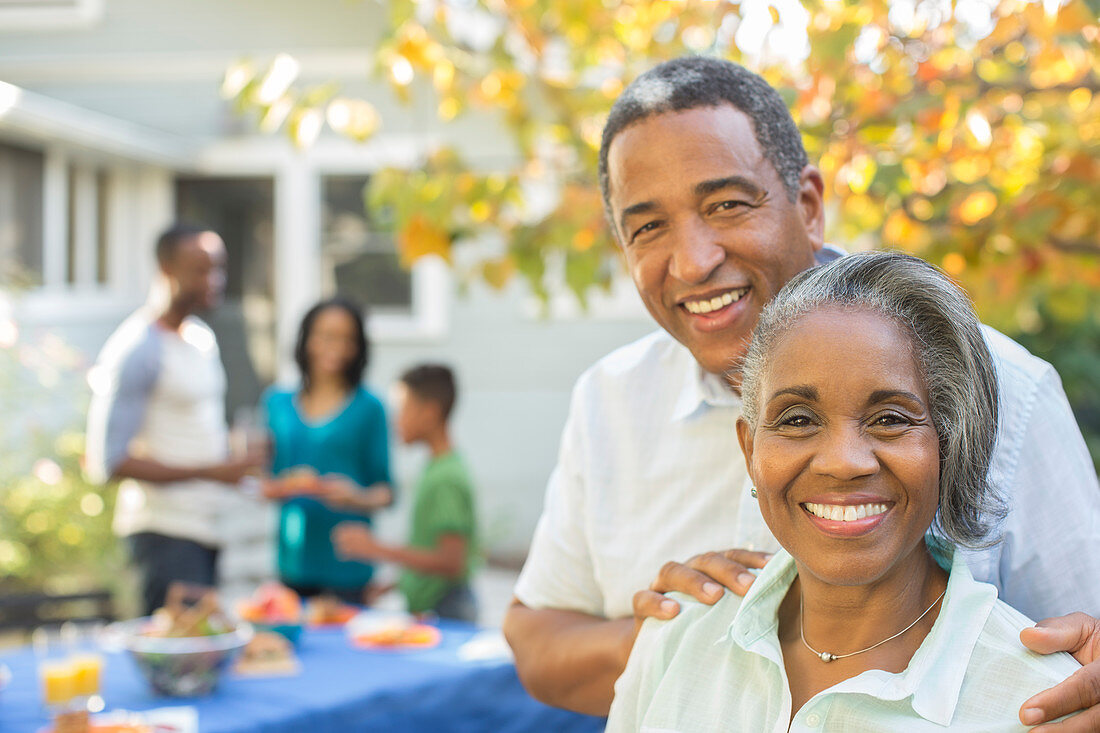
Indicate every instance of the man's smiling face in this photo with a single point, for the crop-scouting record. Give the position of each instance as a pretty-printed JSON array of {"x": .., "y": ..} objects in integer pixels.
[{"x": 709, "y": 233}]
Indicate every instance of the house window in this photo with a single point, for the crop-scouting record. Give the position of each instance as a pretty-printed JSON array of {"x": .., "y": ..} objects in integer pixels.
[
  {"x": 86, "y": 246},
  {"x": 358, "y": 252},
  {"x": 21, "y": 194}
]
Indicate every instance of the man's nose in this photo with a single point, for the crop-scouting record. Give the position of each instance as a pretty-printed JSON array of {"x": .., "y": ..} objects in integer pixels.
[
  {"x": 845, "y": 453},
  {"x": 697, "y": 253}
]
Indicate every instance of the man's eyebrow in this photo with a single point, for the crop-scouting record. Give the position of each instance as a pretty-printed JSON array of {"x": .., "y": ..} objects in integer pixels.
[
  {"x": 885, "y": 395},
  {"x": 717, "y": 184},
  {"x": 807, "y": 393},
  {"x": 643, "y": 207}
]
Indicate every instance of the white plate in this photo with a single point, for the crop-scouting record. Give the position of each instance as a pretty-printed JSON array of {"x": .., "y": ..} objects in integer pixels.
[{"x": 372, "y": 621}]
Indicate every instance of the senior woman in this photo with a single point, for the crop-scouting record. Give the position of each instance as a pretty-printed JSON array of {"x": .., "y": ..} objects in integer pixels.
[{"x": 869, "y": 419}]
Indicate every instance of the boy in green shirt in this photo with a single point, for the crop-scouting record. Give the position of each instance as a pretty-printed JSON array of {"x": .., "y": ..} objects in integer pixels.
[{"x": 441, "y": 545}]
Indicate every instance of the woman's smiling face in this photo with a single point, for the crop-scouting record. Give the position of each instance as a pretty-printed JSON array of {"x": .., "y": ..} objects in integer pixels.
[{"x": 844, "y": 454}]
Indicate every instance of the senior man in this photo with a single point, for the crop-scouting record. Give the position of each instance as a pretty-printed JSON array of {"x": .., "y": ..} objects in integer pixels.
[{"x": 711, "y": 196}]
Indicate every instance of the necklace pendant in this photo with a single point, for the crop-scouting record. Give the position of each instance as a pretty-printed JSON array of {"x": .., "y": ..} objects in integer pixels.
[{"x": 826, "y": 657}]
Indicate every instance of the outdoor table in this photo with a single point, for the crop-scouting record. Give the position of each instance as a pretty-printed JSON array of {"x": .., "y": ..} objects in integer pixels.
[{"x": 340, "y": 688}]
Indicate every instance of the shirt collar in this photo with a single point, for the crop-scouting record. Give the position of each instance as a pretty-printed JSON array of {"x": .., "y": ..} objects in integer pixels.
[
  {"x": 935, "y": 674},
  {"x": 934, "y": 677},
  {"x": 700, "y": 391}
]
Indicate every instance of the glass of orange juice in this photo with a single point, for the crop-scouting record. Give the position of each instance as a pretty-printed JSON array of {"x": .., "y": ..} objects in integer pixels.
[
  {"x": 58, "y": 677},
  {"x": 86, "y": 672}
]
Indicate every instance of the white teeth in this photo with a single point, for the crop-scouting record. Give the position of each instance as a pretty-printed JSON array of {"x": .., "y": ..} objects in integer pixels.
[
  {"x": 846, "y": 512},
  {"x": 717, "y": 302}
]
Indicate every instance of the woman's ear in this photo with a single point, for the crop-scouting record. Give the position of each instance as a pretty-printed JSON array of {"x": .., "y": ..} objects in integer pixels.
[{"x": 744, "y": 437}]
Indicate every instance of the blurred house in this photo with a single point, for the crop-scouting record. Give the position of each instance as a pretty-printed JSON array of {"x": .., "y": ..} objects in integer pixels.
[{"x": 112, "y": 125}]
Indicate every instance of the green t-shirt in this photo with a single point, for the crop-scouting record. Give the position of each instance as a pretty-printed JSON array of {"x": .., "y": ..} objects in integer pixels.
[{"x": 443, "y": 504}]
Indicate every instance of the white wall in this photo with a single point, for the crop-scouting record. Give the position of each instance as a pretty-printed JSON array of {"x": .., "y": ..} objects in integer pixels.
[{"x": 515, "y": 375}]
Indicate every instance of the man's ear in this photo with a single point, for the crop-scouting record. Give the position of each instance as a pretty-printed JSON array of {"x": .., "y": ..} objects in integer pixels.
[
  {"x": 744, "y": 437},
  {"x": 811, "y": 205}
]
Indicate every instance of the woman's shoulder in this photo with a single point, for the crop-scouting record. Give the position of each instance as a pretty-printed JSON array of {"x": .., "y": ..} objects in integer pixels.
[
  {"x": 999, "y": 648},
  {"x": 278, "y": 395},
  {"x": 696, "y": 626},
  {"x": 366, "y": 400}
]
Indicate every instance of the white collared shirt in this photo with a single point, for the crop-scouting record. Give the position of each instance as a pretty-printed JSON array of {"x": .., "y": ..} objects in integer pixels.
[
  {"x": 721, "y": 668},
  {"x": 650, "y": 471}
]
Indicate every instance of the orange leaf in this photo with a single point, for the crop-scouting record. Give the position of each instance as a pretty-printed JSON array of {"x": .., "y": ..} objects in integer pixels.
[{"x": 419, "y": 238}]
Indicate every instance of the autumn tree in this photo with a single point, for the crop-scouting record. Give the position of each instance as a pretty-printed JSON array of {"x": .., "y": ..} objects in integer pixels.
[{"x": 966, "y": 132}]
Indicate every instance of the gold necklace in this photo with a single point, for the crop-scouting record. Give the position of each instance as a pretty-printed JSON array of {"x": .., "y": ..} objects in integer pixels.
[{"x": 827, "y": 657}]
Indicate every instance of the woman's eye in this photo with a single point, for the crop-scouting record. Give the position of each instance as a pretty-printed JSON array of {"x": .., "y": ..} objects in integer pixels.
[
  {"x": 796, "y": 421},
  {"x": 890, "y": 420}
]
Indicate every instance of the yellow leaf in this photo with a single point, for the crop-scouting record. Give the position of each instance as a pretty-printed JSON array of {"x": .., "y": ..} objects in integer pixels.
[
  {"x": 977, "y": 206},
  {"x": 954, "y": 263},
  {"x": 480, "y": 211},
  {"x": 897, "y": 229}
]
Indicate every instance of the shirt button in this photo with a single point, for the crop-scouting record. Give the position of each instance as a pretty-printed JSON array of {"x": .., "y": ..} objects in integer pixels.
[{"x": 813, "y": 720}]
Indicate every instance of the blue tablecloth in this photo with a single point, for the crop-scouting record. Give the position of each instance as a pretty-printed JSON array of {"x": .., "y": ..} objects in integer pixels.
[{"x": 339, "y": 689}]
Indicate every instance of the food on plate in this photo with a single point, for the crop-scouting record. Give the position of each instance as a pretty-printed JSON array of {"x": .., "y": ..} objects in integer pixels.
[
  {"x": 71, "y": 721},
  {"x": 272, "y": 603},
  {"x": 78, "y": 722},
  {"x": 268, "y": 653},
  {"x": 300, "y": 480},
  {"x": 274, "y": 607},
  {"x": 329, "y": 611},
  {"x": 394, "y": 637}
]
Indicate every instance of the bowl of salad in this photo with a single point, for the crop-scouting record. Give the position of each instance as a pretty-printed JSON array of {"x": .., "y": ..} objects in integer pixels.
[{"x": 182, "y": 649}]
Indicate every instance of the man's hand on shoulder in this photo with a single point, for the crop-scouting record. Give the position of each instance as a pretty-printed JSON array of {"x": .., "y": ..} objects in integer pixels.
[
  {"x": 1078, "y": 634},
  {"x": 701, "y": 577}
]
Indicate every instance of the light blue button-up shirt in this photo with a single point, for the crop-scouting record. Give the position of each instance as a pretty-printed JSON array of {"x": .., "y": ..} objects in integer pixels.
[{"x": 721, "y": 668}]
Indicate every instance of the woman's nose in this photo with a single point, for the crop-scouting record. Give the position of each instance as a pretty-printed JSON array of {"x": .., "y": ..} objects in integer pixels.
[
  {"x": 697, "y": 253},
  {"x": 845, "y": 454}
]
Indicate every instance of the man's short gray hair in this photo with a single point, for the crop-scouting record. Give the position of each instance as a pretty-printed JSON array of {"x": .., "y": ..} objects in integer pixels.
[{"x": 951, "y": 352}]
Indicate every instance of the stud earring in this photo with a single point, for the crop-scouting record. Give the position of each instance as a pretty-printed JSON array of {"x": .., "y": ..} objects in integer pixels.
[{"x": 752, "y": 491}]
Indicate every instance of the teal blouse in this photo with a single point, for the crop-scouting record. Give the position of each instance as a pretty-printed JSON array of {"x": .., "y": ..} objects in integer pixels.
[{"x": 352, "y": 442}]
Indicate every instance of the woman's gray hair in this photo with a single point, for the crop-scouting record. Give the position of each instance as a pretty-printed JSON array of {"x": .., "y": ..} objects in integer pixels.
[{"x": 955, "y": 363}]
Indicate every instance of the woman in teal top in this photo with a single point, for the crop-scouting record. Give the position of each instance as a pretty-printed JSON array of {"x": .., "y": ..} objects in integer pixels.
[{"x": 330, "y": 452}]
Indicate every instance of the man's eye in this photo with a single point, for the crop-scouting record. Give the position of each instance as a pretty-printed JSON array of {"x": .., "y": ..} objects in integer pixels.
[
  {"x": 647, "y": 227},
  {"x": 728, "y": 205}
]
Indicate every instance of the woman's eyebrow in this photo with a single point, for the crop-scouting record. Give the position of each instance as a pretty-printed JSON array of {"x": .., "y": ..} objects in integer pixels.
[
  {"x": 805, "y": 392},
  {"x": 885, "y": 395}
]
